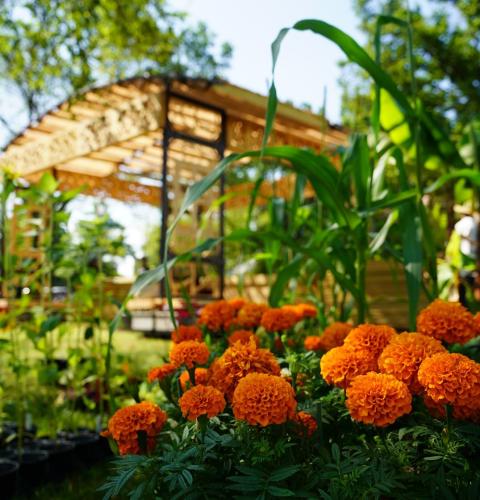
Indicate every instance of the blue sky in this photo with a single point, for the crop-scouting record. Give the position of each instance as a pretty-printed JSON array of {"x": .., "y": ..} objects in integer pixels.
[{"x": 307, "y": 62}]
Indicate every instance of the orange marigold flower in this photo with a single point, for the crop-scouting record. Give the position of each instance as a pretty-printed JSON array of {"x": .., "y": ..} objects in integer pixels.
[
  {"x": 237, "y": 362},
  {"x": 217, "y": 316},
  {"x": 378, "y": 399},
  {"x": 262, "y": 399},
  {"x": 189, "y": 353},
  {"x": 278, "y": 319},
  {"x": 312, "y": 343},
  {"x": 184, "y": 332},
  {"x": 127, "y": 422},
  {"x": 463, "y": 410},
  {"x": 403, "y": 356},
  {"x": 476, "y": 320},
  {"x": 447, "y": 321},
  {"x": 307, "y": 423},
  {"x": 201, "y": 378},
  {"x": 307, "y": 310},
  {"x": 373, "y": 338},
  {"x": 237, "y": 303},
  {"x": 467, "y": 410},
  {"x": 450, "y": 378},
  {"x": 294, "y": 309},
  {"x": 341, "y": 365},
  {"x": 201, "y": 400},
  {"x": 243, "y": 336},
  {"x": 334, "y": 335},
  {"x": 161, "y": 372},
  {"x": 250, "y": 315}
]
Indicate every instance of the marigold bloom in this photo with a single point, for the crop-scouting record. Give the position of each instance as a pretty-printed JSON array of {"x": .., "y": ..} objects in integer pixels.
[
  {"x": 450, "y": 378},
  {"x": 312, "y": 343},
  {"x": 373, "y": 338},
  {"x": 447, "y": 321},
  {"x": 243, "y": 336},
  {"x": 237, "y": 303},
  {"x": 378, "y": 399},
  {"x": 341, "y": 365},
  {"x": 161, "y": 372},
  {"x": 262, "y": 399},
  {"x": 476, "y": 320},
  {"x": 201, "y": 400},
  {"x": 403, "y": 356},
  {"x": 250, "y": 315},
  {"x": 465, "y": 409},
  {"x": 306, "y": 310},
  {"x": 184, "y": 332},
  {"x": 217, "y": 316},
  {"x": 127, "y": 422},
  {"x": 278, "y": 319},
  {"x": 334, "y": 335},
  {"x": 201, "y": 378},
  {"x": 307, "y": 423},
  {"x": 237, "y": 362},
  {"x": 189, "y": 353}
]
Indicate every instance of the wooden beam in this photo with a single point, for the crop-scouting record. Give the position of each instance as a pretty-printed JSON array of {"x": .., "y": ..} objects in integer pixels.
[{"x": 136, "y": 117}]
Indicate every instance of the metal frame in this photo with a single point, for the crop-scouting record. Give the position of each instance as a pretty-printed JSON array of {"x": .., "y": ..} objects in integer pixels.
[{"x": 218, "y": 145}]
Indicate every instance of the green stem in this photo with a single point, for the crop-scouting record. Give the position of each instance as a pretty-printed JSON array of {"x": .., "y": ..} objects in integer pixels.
[{"x": 361, "y": 265}]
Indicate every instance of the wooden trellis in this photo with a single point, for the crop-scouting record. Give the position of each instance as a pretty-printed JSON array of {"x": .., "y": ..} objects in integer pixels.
[{"x": 147, "y": 139}]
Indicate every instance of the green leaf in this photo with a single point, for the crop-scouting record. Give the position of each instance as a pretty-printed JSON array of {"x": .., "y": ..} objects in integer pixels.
[
  {"x": 358, "y": 160},
  {"x": 47, "y": 184},
  {"x": 412, "y": 245},
  {"x": 280, "y": 492},
  {"x": 381, "y": 236},
  {"x": 283, "y": 277},
  {"x": 284, "y": 473},
  {"x": 470, "y": 174}
]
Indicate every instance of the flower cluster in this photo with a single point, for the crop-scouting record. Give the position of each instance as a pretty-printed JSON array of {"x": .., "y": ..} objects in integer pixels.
[
  {"x": 403, "y": 356},
  {"x": 237, "y": 362},
  {"x": 379, "y": 370},
  {"x": 127, "y": 422}
]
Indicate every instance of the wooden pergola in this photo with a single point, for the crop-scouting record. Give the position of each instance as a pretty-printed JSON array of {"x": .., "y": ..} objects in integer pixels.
[{"x": 147, "y": 139}]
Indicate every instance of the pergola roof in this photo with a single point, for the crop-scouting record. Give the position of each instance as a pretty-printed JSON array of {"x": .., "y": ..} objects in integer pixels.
[{"x": 110, "y": 138}]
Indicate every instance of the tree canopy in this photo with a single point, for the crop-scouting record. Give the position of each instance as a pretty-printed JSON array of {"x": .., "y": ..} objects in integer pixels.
[
  {"x": 446, "y": 39},
  {"x": 50, "y": 49}
]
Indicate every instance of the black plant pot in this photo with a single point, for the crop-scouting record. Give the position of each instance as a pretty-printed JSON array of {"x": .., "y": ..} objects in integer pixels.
[
  {"x": 33, "y": 467},
  {"x": 62, "y": 457},
  {"x": 8, "y": 477},
  {"x": 89, "y": 447},
  {"x": 9, "y": 434}
]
